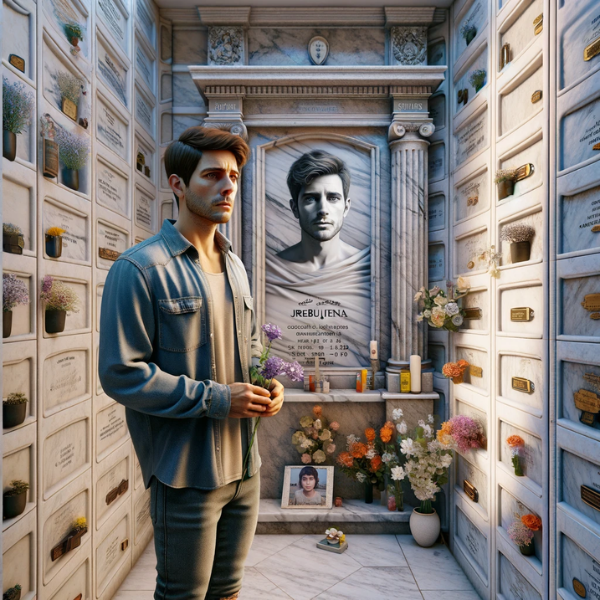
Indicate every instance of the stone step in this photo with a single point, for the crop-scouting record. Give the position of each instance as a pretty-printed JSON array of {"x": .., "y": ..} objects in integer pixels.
[{"x": 353, "y": 517}]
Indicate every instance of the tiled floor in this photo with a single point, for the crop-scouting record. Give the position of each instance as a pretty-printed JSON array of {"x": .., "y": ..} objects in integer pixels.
[{"x": 390, "y": 567}]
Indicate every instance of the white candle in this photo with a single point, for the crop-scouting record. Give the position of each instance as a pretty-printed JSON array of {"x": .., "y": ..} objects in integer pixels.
[
  {"x": 415, "y": 374},
  {"x": 373, "y": 347}
]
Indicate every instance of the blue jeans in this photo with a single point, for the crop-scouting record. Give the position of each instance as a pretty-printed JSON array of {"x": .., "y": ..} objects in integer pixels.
[{"x": 202, "y": 538}]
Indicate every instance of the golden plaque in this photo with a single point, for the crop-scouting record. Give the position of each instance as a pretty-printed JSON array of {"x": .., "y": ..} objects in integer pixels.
[
  {"x": 592, "y": 50},
  {"x": 587, "y": 401},
  {"x": 536, "y": 96},
  {"x": 596, "y": 146},
  {"x": 17, "y": 62},
  {"x": 504, "y": 56},
  {"x": 472, "y": 313},
  {"x": 538, "y": 24},
  {"x": 595, "y": 316},
  {"x": 524, "y": 172},
  {"x": 596, "y": 229},
  {"x": 579, "y": 588},
  {"x": 523, "y": 385},
  {"x": 108, "y": 254},
  {"x": 475, "y": 371},
  {"x": 472, "y": 200},
  {"x": 538, "y": 19},
  {"x": 593, "y": 380},
  {"x": 69, "y": 108},
  {"x": 125, "y": 544},
  {"x": 591, "y": 302},
  {"x": 590, "y": 496},
  {"x": 521, "y": 314},
  {"x": 471, "y": 491},
  {"x": 470, "y": 264}
]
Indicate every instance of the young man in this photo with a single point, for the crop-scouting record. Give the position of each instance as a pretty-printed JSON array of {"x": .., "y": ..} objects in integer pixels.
[{"x": 177, "y": 337}]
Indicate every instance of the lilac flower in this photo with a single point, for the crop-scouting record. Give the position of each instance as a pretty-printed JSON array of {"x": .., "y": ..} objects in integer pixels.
[
  {"x": 14, "y": 292},
  {"x": 47, "y": 284},
  {"x": 273, "y": 366},
  {"x": 294, "y": 371},
  {"x": 272, "y": 332},
  {"x": 17, "y": 106}
]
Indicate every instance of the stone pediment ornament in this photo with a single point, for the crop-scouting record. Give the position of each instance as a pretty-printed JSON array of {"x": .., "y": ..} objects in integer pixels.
[
  {"x": 318, "y": 50},
  {"x": 409, "y": 45},
  {"x": 226, "y": 46}
]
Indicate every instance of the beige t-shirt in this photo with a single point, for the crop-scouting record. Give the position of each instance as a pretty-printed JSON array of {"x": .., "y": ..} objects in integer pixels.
[{"x": 229, "y": 370}]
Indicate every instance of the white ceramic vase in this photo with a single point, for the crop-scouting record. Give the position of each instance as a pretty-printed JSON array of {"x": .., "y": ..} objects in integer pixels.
[{"x": 425, "y": 528}]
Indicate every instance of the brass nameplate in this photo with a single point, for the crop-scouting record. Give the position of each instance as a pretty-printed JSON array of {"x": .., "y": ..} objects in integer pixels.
[
  {"x": 593, "y": 380},
  {"x": 50, "y": 154},
  {"x": 524, "y": 172},
  {"x": 587, "y": 401},
  {"x": 17, "y": 62},
  {"x": 472, "y": 313},
  {"x": 78, "y": 597},
  {"x": 587, "y": 418},
  {"x": 538, "y": 19},
  {"x": 579, "y": 588},
  {"x": 475, "y": 371},
  {"x": 125, "y": 544},
  {"x": 69, "y": 108},
  {"x": 521, "y": 314},
  {"x": 591, "y": 302},
  {"x": 596, "y": 146},
  {"x": 471, "y": 491},
  {"x": 538, "y": 28},
  {"x": 592, "y": 50},
  {"x": 590, "y": 496},
  {"x": 596, "y": 229},
  {"x": 536, "y": 96},
  {"x": 470, "y": 264},
  {"x": 108, "y": 254},
  {"x": 117, "y": 491},
  {"x": 146, "y": 170},
  {"x": 472, "y": 200},
  {"x": 522, "y": 385},
  {"x": 595, "y": 316}
]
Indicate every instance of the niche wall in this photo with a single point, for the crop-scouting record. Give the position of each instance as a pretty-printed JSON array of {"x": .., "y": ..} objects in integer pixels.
[{"x": 73, "y": 448}]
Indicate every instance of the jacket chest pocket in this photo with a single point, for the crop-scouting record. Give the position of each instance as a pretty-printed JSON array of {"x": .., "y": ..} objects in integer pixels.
[{"x": 182, "y": 324}]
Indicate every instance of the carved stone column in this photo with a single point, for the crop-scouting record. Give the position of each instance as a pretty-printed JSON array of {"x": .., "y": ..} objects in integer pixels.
[{"x": 408, "y": 148}]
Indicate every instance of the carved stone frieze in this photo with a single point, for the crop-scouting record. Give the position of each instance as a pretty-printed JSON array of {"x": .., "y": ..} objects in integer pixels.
[
  {"x": 225, "y": 45},
  {"x": 409, "y": 45}
]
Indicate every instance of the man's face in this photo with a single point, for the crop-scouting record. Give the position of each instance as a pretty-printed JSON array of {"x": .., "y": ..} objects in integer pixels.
[
  {"x": 212, "y": 187},
  {"x": 308, "y": 483},
  {"x": 321, "y": 207}
]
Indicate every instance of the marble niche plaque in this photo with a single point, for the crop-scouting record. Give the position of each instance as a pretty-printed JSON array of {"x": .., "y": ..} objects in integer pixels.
[
  {"x": 580, "y": 313},
  {"x": 78, "y": 583},
  {"x": 436, "y": 161},
  {"x": 18, "y": 377},
  {"x": 77, "y": 320},
  {"x": 22, "y": 324},
  {"x": 533, "y": 154},
  {"x": 475, "y": 17},
  {"x": 479, "y": 63},
  {"x": 75, "y": 238},
  {"x": 437, "y": 262},
  {"x": 513, "y": 585},
  {"x": 531, "y": 454},
  {"x": 111, "y": 480},
  {"x": 580, "y": 223},
  {"x": 478, "y": 320},
  {"x": 578, "y": 36},
  {"x": 144, "y": 112},
  {"x": 521, "y": 32},
  {"x": 471, "y": 138},
  {"x": 18, "y": 29},
  {"x": 112, "y": 242},
  {"x": 110, "y": 553},
  {"x": 112, "y": 15},
  {"x": 20, "y": 209},
  {"x": 144, "y": 64},
  {"x": 112, "y": 72},
  {"x": 511, "y": 509},
  {"x": 111, "y": 427},
  {"x": 145, "y": 20},
  {"x": 577, "y": 472},
  {"x": 531, "y": 297},
  {"x": 479, "y": 360},
  {"x": 469, "y": 251},
  {"x": 112, "y": 188},
  {"x": 436, "y": 55},
  {"x": 25, "y": 148},
  {"x": 65, "y": 451},
  {"x": 141, "y": 513},
  {"x": 18, "y": 465},
  {"x": 579, "y": 565},
  {"x": 145, "y": 210},
  {"x": 576, "y": 377},
  {"x": 475, "y": 542},
  {"x": 471, "y": 197},
  {"x": 462, "y": 408},
  {"x": 580, "y": 134},
  {"x": 516, "y": 106},
  {"x": 535, "y": 220},
  {"x": 465, "y": 470},
  {"x": 65, "y": 378},
  {"x": 111, "y": 129},
  {"x": 16, "y": 564},
  {"x": 437, "y": 212},
  {"x": 526, "y": 368},
  {"x": 437, "y": 110}
]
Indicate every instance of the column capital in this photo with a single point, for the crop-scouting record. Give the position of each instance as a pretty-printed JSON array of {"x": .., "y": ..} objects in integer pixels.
[
  {"x": 399, "y": 129},
  {"x": 236, "y": 127}
]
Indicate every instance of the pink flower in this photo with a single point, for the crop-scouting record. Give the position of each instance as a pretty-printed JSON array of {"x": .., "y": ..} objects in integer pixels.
[
  {"x": 306, "y": 458},
  {"x": 334, "y": 425},
  {"x": 315, "y": 435},
  {"x": 466, "y": 432},
  {"x": 331, "y": 449}
]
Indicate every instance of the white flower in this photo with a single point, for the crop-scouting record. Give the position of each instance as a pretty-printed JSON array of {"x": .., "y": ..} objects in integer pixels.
[
  {"x": 402, "y": 428},
  {"x": 463, "y": 284},
  {"x": 418, "y": 296},
  {"x": 457, "y": 320},
  {"x": 434, "y": 290},
  {"x": 306, "y": 443},
  {"x": 427, "y": 430},
  {"x": 398, "y": 474},
  {"x": 446, "y": 460},
  {"x": 407, "y": 447},
  {"x": 351, "y": 440},
  {"x": 430, "y": 418},
  {"x": 452, "y": 308},
  {"x": 427, "y": 313},
  {"x": 361, "y": 477},
  {"x": 421, "y": 423},
  {"x": 440, "y": 300},
  {"x": 397, "y": 414},
  {"x": 419, "y": 318},
  {"x": 317, "y": 424},
  {"x": 387, "y": 457},
  {"x": 370, "y": 453}
]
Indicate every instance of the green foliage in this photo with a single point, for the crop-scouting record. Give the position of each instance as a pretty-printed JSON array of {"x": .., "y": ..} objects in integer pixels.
[
  {"x": 16, "y": 398},
  {"x": 17, "y": 487},
  {"x": 17, "y": 106}
]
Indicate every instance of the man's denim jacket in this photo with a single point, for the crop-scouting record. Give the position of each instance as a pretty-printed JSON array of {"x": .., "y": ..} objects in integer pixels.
[{"x": 156, "y": 357}]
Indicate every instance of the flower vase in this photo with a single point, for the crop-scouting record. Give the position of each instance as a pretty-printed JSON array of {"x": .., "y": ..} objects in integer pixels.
[
  {"x": 9, "y": 144},
  {"x": 13, "y": 414},
  {"x": 13, "y": 506},
  {"x": 506, "y": 188},
  {"x": 527, "y": 549},
  {"x": 520, "y": 251},
  {"x": 470, "y": 36},
  {"x": 55, "y": 321},
  {"x": 368, "y": 492},
  {"x": 425, "y": 528},
  {"x": 54, "y": 244},
  {"x": 6, "y": 323},
  {"x": 70, "y": 178},
  {"x": 516, "y": 463},
  {"x": 459, "y": 379}
]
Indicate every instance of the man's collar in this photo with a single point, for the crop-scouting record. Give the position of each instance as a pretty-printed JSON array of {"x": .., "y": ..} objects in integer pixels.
[{"x": 178, "y": 244}]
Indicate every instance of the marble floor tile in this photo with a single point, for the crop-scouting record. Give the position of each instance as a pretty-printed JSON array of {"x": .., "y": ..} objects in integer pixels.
[
  {"x": 141, "y": 577},
  {"x": 438, "y": 595},
  {"x": 302, "y": 573},
  {"x": 376, "y": 551},
  {"x": 131, "y": 595},
  {"x": 257, "y": 587},
  {"x": 375, "y": 582},
  {"x": 264, "y": 546}
]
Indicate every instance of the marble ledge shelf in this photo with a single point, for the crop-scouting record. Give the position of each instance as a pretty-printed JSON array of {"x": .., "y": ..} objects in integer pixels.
[
  {"x": 293, "y": 395},
  {"x": 353, "y": 511}
]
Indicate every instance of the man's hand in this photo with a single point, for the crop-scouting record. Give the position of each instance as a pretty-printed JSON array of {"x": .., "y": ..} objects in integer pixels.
[
  {"x": 276, "y": 390},
  {"x": 248, "y": 400}
]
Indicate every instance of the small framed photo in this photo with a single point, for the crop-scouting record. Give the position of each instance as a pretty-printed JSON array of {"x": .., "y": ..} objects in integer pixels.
[{"x": 307, "y": 486}]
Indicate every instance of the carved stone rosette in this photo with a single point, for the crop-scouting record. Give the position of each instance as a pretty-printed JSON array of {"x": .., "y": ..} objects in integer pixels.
[
  {"x": 409, "y": 45},
  {"x": 225, "y": 45}
]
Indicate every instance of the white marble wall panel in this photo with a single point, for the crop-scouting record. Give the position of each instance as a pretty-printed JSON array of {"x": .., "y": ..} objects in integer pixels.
[
  {"x": 575, "y": 35},
  {"x": 76, "y": 225},
  {"x": 26, "y": 139},
  {"x": 110, "y": 554},
  {"x": 184, "y": 91},
  {"x": 437, "y": 110},
  {"x": 20, "y": 210},
  {"x": 110, "y": 237},
  {"x": 190, "y": 45},
  {"x": 580, "y": 132},
  {"x": 575, "y": 472},
  {"x": 464, "y": 408},
  {"x": 145, "y": 210},
  {"x": 111, "y": 429},
  {"x": 78, "y": 582},
  {"x": 473, "y": 539},
  {"x": 436, "y": 55},
  {"x": 289, "y": 46},
  {"x": 571, "y": 381},
  {"x": 112, "y": 129},
  {"x": 468, "y": 253},
  {"x": 519, "y": 35},
  {"x": 180, "y": 124},
  {"x": 58, "y": 12},
  {"x": 475, "y": 358},
  {"x": 144, "y": 111},
  {"x": 65, "y": 379},
  {"x": 437, "y": 262},
  {"x": 535, "y": 220},
  {"x": 22, "y": 321},
  {"x": 513, "y": 585},
  {"x": 166, "y": 42},
  {"x": 112, "y": 187},
  {"x": 76, "y": 322},
  {"x": 476, "y": 16},
  {"x": 166, "y": 210},
  {"x": 512, "y": 509},
  {"x": 114, "y": 16},
  {"x": 576, "y": 320},
  {"x": 478, "y": 63},
  {"x": 111, "y": 473},
  {"x": 516, "y": 297},
  {"x": 436, "y": 161},
  {"x": 471, "y": 196},
  {"x": 19, "y": 375},
  {"x": 138, "y": 478},
  {"x": 526, "y": 367},
  {"x": 166, "y": 87},
  {"x": 437, "y": 211},
  {"x": 18, "y": 32},
  {"x": 145, "y": 20},
  {"x": 144, "y": 63},
  {"x": 531, "y": 455},
  {"x": 141, "y": 517},
  {"x": 476, "y": 299},
  {"x": 112, "y": 70},
  {"x": 468, "y": 471},
  {"x": 19, "y": 460},
  {"x": 578, "y": 564},
  {"x": 67, "y": 124},
  {"x": 19, "y": 556},
  {"x": 471, "y": 138},
  {"x": 533, "y": 153},
  {"x": 580, "y": 216},
  {"x": 516, "y": 107}
]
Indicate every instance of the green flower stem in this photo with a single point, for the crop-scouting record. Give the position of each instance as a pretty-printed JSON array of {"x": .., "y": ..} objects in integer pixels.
[
  {"x": 250, "y": 448},
  {"x": 426, "y": 508}
]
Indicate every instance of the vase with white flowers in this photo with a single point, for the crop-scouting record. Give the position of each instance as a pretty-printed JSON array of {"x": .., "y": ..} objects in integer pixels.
[{"x": 440, "y": 308}]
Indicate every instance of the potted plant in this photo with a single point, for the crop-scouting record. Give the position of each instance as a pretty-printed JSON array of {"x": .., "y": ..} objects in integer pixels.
[
  {"x": 74, "y": 32},
  {"x": 516, "y": 444},
  {"x": 14, "y": 410},
  {"x": 505, "y": 180},
  {"x": 70, "y": 91},
  {"x": 54, "y": 241},
  {"x": 73, "y": 539},
  {"x": 455, "y": 371},
  {"x": 315, "y": 440},
  {"x": 478, "y": 79},
  {"x": 468, "y": 31},
  {"x": 522, "y": 530},
  {"x": 14, "y": 292},
  {"x": 59, "y": 299},
  {"x": 462, "y": 433},
  {"x": 13, "y": 593},
  {"x": 17, "y": 107},
  {"x": 73, "y": 152},
  {"x": 12, "y": 238},
  {"x": 15, "y": 499},
  {"x": 519, "y": 236},
  {"x": 334, "y": 536},
  {"x": 440, "y": 309}
]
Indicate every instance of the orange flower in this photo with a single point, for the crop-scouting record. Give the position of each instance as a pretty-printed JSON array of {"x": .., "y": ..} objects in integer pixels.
[
  {"x": 515, "y": 441},
  {"x": 462, "y": 363},
  {"x": 358, "y": 450},
  {"x": 456, "y": 369},
  {"x": 345, "y": 459},
  {"x": 385, "y": 433},
  {"x": 370, "y": 434},
  {"x": 318, "y": 411},
  {"x": 376, "y": 462},
  {"x": 444, "y": 435},
  {"x": 532, "y": 522}
]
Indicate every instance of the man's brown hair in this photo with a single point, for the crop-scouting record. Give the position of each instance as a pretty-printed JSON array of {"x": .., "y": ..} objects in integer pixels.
[{"x": 183, "y": 155}]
